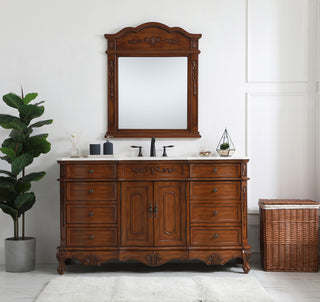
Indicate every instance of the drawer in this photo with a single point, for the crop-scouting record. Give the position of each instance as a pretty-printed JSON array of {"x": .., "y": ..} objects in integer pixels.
[
  {"x": 215, "y": 170},
  {"x": 91, "y": 171},
  {"x": 153, "y": 171},
  {"x": 219, "y": 236},
  {"x": 205, "y": 190},
  {"x": 91, "y": 214},
  {"x": 206, "y": 213},
  {"x": 91, "y": 237},
  {"x": 91, "y": 191}
]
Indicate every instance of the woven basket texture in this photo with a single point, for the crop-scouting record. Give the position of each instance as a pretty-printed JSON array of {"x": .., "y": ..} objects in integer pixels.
[{"x": 289, "y": 238}]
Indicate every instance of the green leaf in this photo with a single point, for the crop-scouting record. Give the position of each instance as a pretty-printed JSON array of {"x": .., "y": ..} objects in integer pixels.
[
  {"x": 37, "y": 144},
  {"x": 35, "y": 176},
  {"x": 41, "y": 136},
  {"x": 24, "y": 202},
  {"x": 9, "y": 152},
  {"x": 39, "y": 103},
  {"x": 20, "y": 162},
  {"x": 9, "y": 210},
  {"x": 13, "y": 144},
  {"x": 24, "y": 183},
  {"x": 41, "y": 123},
  {"x": 7, "y": 180},
  {"x": 7, "y": 195},
  {"x": 29, "y": 112},
  {"x": 17, "y": 135},
  {"x": 11, "y": 122},
  {"x": 29, "y": 97},
  {"x": 6, "y": 173},
  {"x": 8, "y": 183},
  {"x": 13, "y": 100},
  {"x": 23, "y": 187},
  {"x": 6, "y": 158}
]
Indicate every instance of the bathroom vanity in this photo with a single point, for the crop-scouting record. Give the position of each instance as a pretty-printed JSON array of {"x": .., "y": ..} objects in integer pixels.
[{"x": 153, "y": 210}]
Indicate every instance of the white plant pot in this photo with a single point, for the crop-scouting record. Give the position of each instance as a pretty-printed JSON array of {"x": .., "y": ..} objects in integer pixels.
[{"x": 20, "y": 254}]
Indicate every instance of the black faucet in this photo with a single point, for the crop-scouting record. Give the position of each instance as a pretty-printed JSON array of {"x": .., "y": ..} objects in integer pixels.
[{"x": 153, "y": 147}]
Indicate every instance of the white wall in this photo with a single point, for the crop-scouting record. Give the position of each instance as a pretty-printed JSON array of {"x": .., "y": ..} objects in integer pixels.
[{"x": 256, "y": 77}]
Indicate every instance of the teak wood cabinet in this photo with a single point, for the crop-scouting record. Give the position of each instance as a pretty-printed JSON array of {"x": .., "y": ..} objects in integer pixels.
[{"x": 153, "y": 211}]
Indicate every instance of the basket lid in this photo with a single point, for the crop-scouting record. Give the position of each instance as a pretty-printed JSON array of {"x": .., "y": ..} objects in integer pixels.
[{"x": 288, "y": 204}]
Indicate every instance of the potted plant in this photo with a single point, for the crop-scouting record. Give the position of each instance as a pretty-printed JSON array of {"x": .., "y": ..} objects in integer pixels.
[
  {"x": 20, "y": 149},
  {"x": 225, "y": 147}
]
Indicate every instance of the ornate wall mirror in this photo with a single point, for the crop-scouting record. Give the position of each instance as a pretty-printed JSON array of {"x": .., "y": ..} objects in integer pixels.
[{"x": 153, "y": 82}]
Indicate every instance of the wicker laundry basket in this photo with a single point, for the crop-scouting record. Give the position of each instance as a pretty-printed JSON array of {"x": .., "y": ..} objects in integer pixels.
[{"x": 289, "y": 234}]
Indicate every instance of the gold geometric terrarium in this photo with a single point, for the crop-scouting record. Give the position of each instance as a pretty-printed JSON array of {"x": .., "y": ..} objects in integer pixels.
[{"x": 225, "y": 147}]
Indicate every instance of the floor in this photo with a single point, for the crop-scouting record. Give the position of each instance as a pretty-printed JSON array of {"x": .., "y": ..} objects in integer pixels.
[{"x": 282, "y": 286}]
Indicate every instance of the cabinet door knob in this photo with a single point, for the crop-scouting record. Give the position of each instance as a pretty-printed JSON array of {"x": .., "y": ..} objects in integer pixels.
[
  {"x": 91, "y": 237},
  {"x": 215, "y": 170},
  {"x": 215, "y": 213},
  {"x": 91, "y": 214},
  {"x": 215, "y": 190},
  {"x": 91, "y": 171},
  {"x": 150, "y": 208},
  {"x": 215, "y": 236},
  {"x": 91, "y": 191}
]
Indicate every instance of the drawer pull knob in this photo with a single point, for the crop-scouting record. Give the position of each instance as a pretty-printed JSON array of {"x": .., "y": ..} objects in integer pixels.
[
  {"x": 91, "y": 214},
  {"x": 215, "y": 213},
  {"x": 91, "y": 237},
  {"x": 215, "y": 170},
  {"x": 215, "y": 190},
  {"x": 215, "y": 236},
  {"x": 91, "y": 191},
  {"x": 91, "y": 171}
]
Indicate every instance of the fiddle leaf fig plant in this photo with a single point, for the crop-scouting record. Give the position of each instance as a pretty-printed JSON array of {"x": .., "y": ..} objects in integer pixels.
[{"x": 19, "y": 151}]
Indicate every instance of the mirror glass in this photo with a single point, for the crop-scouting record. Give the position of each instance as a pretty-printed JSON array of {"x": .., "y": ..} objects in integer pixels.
[{"x": 153, "y": 92}]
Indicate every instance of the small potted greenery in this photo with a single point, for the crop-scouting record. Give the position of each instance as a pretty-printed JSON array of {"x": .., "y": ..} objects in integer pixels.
[
  {"x": 19, "y": 150},
  {"x": 225, "y": 147}
]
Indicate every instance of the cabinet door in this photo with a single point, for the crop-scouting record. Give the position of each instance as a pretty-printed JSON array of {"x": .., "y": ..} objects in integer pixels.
[
  {"x": 136, "y": 220},
  {"x": 169, "y": 213}
]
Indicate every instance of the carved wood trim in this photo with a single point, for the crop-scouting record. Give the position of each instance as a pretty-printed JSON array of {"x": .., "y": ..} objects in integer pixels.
[
  {"x": 61, "y": 257},
  {"x": 194, "y": 66},
  {"x": 91, "y": 259},
  {"x": 158, "y": 25},
  {"x": 152, "y": 170},
  {"x": 153, "y": 259},
  {"x": 152, "y": 40},
  {"x": 111, "y": 78},
  {"x": 215, "y": 258},
  {"x": 246, "y": 255},
  {"x": 244, "y": 212},
  {"x": 244, "y": 169}
]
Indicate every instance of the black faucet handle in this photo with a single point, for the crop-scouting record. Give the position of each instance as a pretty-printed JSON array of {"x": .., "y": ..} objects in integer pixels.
[
  {"x": 165, "y": 149},
  {"x": 140, "y": 150}
]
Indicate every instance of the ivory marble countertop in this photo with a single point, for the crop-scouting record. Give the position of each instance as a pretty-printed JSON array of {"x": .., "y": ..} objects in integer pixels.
[{"x": 133, "y": 158}]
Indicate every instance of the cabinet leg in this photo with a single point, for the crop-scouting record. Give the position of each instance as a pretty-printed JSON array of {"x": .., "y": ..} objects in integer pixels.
[
  {"x": 62, "y": 261},
  {"x": 246, "y": 254}
]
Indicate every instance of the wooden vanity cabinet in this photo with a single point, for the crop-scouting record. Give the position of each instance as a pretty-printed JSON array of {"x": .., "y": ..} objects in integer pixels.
[{"x": 153, "y": 211}]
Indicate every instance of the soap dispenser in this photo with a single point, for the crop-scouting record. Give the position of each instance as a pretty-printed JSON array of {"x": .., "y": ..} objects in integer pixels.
[{"x": 107, "y": 147}]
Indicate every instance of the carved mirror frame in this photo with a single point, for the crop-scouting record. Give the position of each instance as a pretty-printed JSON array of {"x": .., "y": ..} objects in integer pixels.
[{"x": 153, "y": 40}]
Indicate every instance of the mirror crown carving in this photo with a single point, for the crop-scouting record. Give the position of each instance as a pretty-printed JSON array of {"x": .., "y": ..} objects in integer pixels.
[{"x": 153, "y": 40}]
